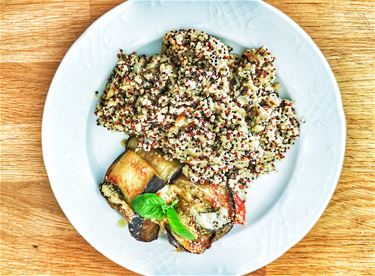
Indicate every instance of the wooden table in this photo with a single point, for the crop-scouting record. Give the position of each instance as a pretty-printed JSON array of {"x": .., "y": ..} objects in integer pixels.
[{"x": 36, "y": 238}]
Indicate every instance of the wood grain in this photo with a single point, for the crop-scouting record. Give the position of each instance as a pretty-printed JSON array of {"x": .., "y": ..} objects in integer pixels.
[{"x": 35, "y": 236}]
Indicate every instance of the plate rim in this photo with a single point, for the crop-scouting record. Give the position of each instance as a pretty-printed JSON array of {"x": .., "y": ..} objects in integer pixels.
[{"x": 339, "y": 106}]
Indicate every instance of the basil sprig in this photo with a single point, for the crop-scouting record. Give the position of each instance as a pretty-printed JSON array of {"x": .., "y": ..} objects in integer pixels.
[{"x": 151, "y": 206}]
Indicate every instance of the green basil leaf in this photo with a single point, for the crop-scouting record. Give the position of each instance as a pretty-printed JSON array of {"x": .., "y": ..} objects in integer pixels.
[
  {"x": 149, "y": 206},
  {"x": 177, "y": 226}
]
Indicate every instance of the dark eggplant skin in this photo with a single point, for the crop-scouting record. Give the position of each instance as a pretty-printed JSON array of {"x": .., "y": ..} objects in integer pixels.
[
  {"x": 175, "y": 175},
  {"x": 154, "y": 185},
  {"x": 141, "y": 229},
  {"x": 231, "y": 201}
]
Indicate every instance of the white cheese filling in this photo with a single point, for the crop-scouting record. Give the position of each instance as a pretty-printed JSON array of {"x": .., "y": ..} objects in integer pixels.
[{"x": 213, "y": 220}]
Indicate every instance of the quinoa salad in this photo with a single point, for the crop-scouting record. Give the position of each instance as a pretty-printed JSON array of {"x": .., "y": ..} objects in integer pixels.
[{"x": 218, "y": 113}]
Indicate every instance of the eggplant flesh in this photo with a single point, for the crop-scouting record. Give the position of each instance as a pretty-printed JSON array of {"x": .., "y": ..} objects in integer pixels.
[
  {"x": 141, "y": 229},
  {"x": 167, "y": 170},
  {"x": 133, "y": 175},
  {"x": 116, "y": 200}
]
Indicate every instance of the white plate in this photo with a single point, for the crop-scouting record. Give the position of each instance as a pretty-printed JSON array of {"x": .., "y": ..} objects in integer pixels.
[{"x": 282, "y": 207}]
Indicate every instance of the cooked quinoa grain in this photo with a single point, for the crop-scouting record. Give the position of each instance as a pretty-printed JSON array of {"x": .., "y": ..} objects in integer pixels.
[{"x": 218, "y": 113}]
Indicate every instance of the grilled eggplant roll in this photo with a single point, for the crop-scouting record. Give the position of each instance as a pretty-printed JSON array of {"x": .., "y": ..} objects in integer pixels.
[
  {"x": 141, "y": 229},
  {"x": 205, "y": 210},
  {"x": 167, "y": 170},
  {"x": 128, "y": 176}
]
